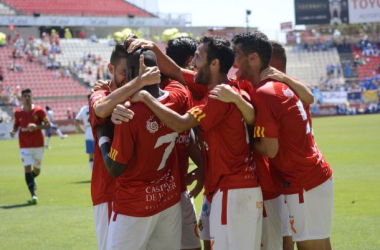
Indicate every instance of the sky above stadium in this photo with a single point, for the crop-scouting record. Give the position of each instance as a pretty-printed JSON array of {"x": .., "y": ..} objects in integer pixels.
[{"x": 265, "y": 14}]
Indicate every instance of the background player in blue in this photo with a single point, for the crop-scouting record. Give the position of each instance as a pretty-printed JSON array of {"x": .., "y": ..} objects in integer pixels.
[{"x": 83, "y": 121}]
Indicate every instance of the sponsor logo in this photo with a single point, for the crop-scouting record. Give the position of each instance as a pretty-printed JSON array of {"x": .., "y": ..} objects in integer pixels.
[
  {"x": 35, "y": 117},
  {"x": 152, "y": 125},
  {"x": 292, "y": 226}
]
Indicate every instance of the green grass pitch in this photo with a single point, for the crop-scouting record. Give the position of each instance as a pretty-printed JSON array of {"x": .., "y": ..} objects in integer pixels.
[{"x": 63, "y": 218}]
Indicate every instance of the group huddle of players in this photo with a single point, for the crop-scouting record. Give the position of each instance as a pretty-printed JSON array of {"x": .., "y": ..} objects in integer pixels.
[{"x": 266, "y": 184}]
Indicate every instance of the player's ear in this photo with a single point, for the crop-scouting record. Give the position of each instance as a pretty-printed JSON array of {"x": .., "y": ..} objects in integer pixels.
[{"x": 111, "y": 68}]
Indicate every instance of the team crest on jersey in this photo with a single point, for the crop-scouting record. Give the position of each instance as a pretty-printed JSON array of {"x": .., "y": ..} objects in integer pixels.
[
  {"x": 152, "y": 125},
  {"x": 287, "y": 92},
  {"x": 35, "y": 117}
]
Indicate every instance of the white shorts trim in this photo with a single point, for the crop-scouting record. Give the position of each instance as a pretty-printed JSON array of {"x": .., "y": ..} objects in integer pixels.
[
  {"x": 190, "y": 236},
  {"x": 101, "y": 218},
  {"x": 312, "y": 219},
  {"x": 161, "y": 231},
  {"x": 32, "y": 156},
  {"x": 244, "y": 216},
  {"x": 204, "y": 220}
]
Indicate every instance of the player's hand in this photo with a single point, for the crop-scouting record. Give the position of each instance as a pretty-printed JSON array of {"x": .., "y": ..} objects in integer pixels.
[
  {"x": 224, "y": 93},
  {"x": 148, "y": 75},
  {"x": 195, "y": 175},
  {"x": 272, "y": 73},
  {"x": 134, "y": 44},
  {"x": 12, "y": 132},
  {"x": 122, "y": 113},
  {"x": 105, "y": 130},
  {"x": 139, "y": 96},
  {"x": 100, "y": 84},
  {"x": 32, "y": 127}
]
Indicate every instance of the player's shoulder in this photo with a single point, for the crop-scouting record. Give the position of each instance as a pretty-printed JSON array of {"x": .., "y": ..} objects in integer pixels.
[
  {"x": 18, "y": 110},
  {"x": 175, "y": 86},
  {"x": 39, "y": 108}
]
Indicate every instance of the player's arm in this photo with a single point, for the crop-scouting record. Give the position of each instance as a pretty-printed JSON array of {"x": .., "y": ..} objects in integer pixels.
[
  {"x": 147, "y": 76},
  {"x": 105, "y": 135},
  {"x": 45, "y": 125},
  {"x": 79, "y": 120},
  {"x": 266, "y": 146},
  {"x": 166, "y": 65},
  {"x": 14, "y": 130},
  {"x": 169, "y": 117},
  {"x": 301, "y": 90},
  {"x": 225, "y": 93},
  {"x": 114, "y": 168},
  {"x": 80, "y": 125},
  {"x": 197, "y": 174}
]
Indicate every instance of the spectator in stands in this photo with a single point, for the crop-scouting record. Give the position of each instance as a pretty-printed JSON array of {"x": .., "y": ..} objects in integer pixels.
[
  {"x": 69, "y": 114},
  {"x": 94, "y": 39},
  {"x": 19, "y": 67},
  {"x": 82, "y": 35},
  {"x": 1, "y": 74},
  {"x": 12, "y": 66},
  {"x": 68, "y": 34}
]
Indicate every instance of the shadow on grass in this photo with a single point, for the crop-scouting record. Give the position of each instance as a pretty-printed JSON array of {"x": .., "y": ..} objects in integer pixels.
[
  {"x": 17, "y": 205},
  {"x": 81, "y": 182}
]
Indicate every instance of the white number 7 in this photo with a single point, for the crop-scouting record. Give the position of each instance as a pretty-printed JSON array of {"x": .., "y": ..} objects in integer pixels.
[
  {"x": 304, "y": 115},
  {"x": 169, "y": 138}
]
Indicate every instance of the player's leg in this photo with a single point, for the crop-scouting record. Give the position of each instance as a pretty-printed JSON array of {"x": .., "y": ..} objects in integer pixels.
[
  {"x": 90, "y": 148},
  {"x": 311, "y": 216},
  {"x": 37, "y": 155},
  {"x": 167, "y": 232},
  {"x": 127, "y": 232},
  {"x": 26, "y": 157},
  {"x": 204, "y": 224},
  {"x": 288, "y": 243},
  {"x": 244, "y": 218},
  {"x": 58, "y": 131},
  {"x": 190, "y": 236},
  {"x": 47, "y": 135},
  {"x": 272, "y": 231},
  {"x": 101, "y": 218}
]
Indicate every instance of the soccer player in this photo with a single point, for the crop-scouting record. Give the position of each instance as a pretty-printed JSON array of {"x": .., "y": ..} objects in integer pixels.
[
  {"x": 283, "y": 134},
  {"x": 50, "y": 115},
  {"x": 146, "y": 212},
  {"x": 102, "y": 103},
  {"x": 83, "y": 117},
  {"x": 182, "y": 50},
  {"x": 30, "y": 119},
  {"x": 276, "y": 226},
  {"x": 230, "y": 178}
]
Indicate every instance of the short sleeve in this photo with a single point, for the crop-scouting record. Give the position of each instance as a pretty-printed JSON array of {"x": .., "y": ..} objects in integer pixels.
[
  {"x": 41, "y": 114},
  {"x": 211, "y": 113},
  {"x": 178, "y": 99},
  {"x": 79, "y": 115},
  {"x": 123, "y": 143},
  {"x": 95, "y": 99},
  {"x": 198, "y": 91},
  {"x": 269, "y": 111}
]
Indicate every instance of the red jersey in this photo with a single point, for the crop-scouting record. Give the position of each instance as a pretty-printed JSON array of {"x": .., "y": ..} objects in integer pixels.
[
  {"x": 151, "y": 180},
  {"x": 226, "y": 147},
  {"x": 102, "y": 183},
  {"x": 27, "y": 139},
  {"x": 299, "y": 164},
  {"x": 183, "y": 140}
]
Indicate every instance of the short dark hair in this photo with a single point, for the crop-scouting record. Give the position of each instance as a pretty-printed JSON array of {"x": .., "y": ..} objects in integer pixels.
[
  {"x": 26, "y": 91},
  {"x": 118, "y": 53},
  {"x": 278, "y": 51},
  {"x": 133, "y": 61},
  {"x": 88, "y": 96},
  {"x": 255, "y": 42},
  {"x": 47, "y": 108},
  {"x": 219, "y": 48},
  {"x": 180, "y": 49}
]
